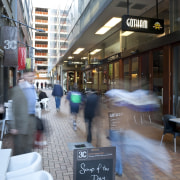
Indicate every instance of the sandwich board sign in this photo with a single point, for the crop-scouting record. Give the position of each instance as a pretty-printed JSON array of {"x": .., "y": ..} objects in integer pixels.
[{"x": 94, "y": 163}]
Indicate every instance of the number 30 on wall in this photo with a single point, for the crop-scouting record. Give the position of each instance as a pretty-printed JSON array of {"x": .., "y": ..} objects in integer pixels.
[{"x": 10, "y": 44}]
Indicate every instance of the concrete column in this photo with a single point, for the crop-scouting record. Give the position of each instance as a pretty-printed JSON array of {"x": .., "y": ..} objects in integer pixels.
[{"x": 174, "y": 15}]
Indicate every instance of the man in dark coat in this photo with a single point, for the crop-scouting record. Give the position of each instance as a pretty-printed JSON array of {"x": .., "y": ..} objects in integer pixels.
[
  {"x": 57, "y": 93},
  {"x": 90, "y": 111}
]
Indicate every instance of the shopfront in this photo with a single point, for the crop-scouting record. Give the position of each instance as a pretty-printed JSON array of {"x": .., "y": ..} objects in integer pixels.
[{"x": 155, "y": 68}]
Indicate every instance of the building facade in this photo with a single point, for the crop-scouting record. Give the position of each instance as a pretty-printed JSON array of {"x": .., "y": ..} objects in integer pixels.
[
  {"x": 53, "y": 21},
  {"x": 13, "y": 14},
  {"x": 141, "y": 59}
]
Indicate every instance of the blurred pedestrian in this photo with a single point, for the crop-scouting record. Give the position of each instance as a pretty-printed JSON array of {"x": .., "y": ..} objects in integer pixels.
[
  {"x": 42, "y": 95},
  {"x": 45, "y": 85},
  {"x": 41, "y": 85},
  {"x": 37, "y": 84},
  {"x": 23, "y": 126},
  {"x": 75, "y": 99},
  {"x": 91, "y": 109},
  {"x": 57, "y": 93}
]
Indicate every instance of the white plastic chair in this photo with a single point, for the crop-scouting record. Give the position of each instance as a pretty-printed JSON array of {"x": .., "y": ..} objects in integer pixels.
[
  {"x": 45, "y": 103},
  {"x": 8, "y": 117},
  {"x": 24, "y": 164},
  {"x": 39, "y": 175}
]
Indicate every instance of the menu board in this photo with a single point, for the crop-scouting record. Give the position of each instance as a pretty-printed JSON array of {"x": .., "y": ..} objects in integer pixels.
[
  {"x": 114, "y": 120},
  {"x": 94, "y": 163}
]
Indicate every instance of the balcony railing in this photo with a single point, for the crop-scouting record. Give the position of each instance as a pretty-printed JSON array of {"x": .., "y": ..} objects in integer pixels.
[
  {"x": 41, "y": 37},
  {"x": 41, "y": 21},
  {"x": 41, "y": 62},
  {"x": 41, "y": 45},
  {"x": 45, "y": 29},
  {"x": 40, "y": 12},
  {"x": 40, "y": 54}
]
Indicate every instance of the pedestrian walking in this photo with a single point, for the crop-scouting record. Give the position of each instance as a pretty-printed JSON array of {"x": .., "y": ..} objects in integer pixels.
[
  {"x": 23, "y": 127},
  {"x": 41, "y": 85},
  {"x": 91, "y": 109},
  {"x": 37, "y": 84},
  {"x": 45, "y": 85},
  {"x": 57, "y": 93},
  {"x": 75, "y": 98}
]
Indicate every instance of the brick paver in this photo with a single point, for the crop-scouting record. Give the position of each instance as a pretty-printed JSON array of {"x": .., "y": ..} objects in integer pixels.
[{"x": 58, "y": 157}]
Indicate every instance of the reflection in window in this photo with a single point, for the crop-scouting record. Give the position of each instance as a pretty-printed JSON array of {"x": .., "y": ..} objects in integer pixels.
[
  {"x": 158, "y": 72},
  {"x": 134, "y": 74},
  {"x": 126, "y": 75},
  {"x": 145, "y": 71},
  {"x": 111, "y": 79},
  {"x": 103, "y": 78},
  {"x": 116, "y": 75}
]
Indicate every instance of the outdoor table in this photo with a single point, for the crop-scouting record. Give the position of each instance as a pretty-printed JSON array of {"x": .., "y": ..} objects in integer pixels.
[
  {"x": 5, "y": 155},
  {"x": 176, "y": 120}
]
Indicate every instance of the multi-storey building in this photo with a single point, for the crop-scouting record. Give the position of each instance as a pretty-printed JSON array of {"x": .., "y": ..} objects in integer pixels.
[{"x": 47, "y": 52}]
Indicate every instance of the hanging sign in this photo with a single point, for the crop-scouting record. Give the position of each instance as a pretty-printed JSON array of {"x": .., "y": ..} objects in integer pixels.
[
  {"x": 28, "y": 63},
  {"x": 21, "y": 58},
  {"x": 94, "y": 163},
  {"x": 9, "y": 44},
  {"x": 142, "y": 24},
  {"x": 75, "y": 62}
]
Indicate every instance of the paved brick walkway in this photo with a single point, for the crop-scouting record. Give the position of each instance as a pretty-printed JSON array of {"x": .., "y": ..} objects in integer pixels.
[{"x": 58, "y": 156}]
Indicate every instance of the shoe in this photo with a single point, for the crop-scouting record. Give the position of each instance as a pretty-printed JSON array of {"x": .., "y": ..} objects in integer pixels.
[
  {"x": 74, "y": 126},
  {"x": 57, "y": 109},
  {"x": 117, "y": 174}
]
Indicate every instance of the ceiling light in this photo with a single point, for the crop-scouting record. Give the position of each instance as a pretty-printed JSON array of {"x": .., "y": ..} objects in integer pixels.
[
  {"x": 84, "y": 58},
  {"x": 70, "y": 57},
  {"x": 77, "y": 51},
  {"x": 127, "y": 33},
  {"x": 65, "y": 61},
  {"x": 103, "y": 30},
  {"x": 111, "y": 23},
  {"x": 95, "y": 51}
]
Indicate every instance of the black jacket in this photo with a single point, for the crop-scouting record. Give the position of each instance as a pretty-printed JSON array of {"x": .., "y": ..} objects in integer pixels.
[
  {"x": 91, "y": 106},
  {"x": 57, "y": 90}
]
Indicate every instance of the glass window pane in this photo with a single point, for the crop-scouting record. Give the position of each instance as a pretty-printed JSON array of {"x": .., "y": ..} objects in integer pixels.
[
  {"x": 158, "y": 72},
  {"x": 103, "y": 78},
  {"x": 116, "y": 75},
  {"x": 126, "y": 75}
]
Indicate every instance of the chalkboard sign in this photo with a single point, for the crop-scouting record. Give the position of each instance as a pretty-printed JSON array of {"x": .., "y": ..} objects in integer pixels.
[
  {"x": 94, "y": 163},
  {"x": 114, "y": 120}
]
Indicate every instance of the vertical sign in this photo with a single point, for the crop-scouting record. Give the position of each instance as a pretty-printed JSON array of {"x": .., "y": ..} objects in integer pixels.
[
  {"x": 94, "y": 163},
  {"x": 28, "y": 63},
  {"x": 9, "y": 43},
  {"x": 114, "y": 120},
  {"x": 21, "y": 58}
]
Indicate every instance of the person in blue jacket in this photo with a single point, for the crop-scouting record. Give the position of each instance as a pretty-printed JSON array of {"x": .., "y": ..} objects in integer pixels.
[{"x": 57, "y": 93}]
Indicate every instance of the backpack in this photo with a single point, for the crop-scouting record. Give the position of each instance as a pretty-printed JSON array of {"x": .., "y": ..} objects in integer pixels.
[{"x": 75, "y": 97}]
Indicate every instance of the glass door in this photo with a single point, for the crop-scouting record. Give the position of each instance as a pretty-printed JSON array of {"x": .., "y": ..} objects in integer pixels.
[
  {"x": 158, "y": 73},
  {"x": 176, "y": 81}
]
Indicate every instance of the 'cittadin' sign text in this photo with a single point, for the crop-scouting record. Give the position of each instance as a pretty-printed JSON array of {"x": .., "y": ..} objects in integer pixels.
[{"x": 142, "y": 24}]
